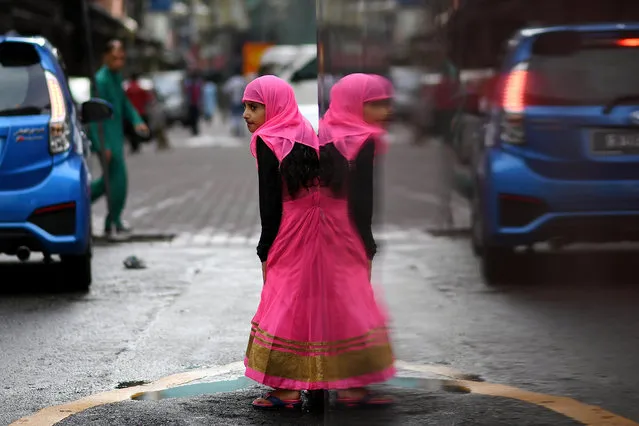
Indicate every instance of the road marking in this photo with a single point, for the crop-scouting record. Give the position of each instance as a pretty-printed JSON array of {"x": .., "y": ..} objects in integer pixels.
[
  {"x": 583, "y": 413},
  {"x": 51, "y": 415},
  {"x": 438, "y": 369}
]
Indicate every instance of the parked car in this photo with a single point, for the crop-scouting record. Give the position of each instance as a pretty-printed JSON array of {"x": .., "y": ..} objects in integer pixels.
[
  {"x": 407, "y": 82},
  {"x": 45, "y": 202},
  {"x": 169, "y": 87},
  {"x": 297, "y": 65},
  {"x": 560, "y": 156}
]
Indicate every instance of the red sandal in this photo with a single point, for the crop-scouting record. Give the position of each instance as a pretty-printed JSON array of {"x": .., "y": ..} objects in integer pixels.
[{"x": 270, "y": 402}]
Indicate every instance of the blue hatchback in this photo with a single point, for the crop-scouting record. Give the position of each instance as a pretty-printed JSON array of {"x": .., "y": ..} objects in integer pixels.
[
  {"x": 45, "y": 203},
  {"x": 560, "y": 156}
]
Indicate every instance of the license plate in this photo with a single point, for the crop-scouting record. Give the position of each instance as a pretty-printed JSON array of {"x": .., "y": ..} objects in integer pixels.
[{"x": 615, "y": 143}]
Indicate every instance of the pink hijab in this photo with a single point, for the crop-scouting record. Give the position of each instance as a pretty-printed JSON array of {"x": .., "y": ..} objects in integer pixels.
[
  {"x": 343, "y": 124},
  {"x": 284, "y": 125}
]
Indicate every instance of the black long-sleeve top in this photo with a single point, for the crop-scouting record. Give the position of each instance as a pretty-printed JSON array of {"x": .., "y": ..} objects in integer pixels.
[{"x": 358, "y": 182}]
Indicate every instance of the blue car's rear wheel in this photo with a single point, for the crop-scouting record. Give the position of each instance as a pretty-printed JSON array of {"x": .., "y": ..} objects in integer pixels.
[
  {"x": 495, "y": 264},
  {"x": 78, "y": 270},
  {"x": 476, "y": 224},
  {"x": 495, "y": 260}
]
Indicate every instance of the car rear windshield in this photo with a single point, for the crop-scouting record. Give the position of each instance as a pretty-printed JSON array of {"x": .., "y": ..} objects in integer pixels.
[
  {"x": 22, "y": 80},
  {"x": 591, "y": 75}
]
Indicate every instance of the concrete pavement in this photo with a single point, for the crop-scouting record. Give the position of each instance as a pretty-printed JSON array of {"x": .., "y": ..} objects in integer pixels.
[
  {"x": 189, "y": 311},
  {"x": 570, "y": 331},
  {"x": 207, "y": 185}
]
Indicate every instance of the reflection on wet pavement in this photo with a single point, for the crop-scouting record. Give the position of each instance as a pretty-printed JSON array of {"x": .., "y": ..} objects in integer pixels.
[{"x": 223, "y": 386}]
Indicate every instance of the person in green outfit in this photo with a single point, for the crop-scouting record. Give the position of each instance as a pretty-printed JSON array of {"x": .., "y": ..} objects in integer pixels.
[{"x": 107, "y": 138}]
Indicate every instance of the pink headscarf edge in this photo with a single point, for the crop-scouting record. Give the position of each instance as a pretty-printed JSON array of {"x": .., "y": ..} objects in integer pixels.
[
  {"x": 350, "y": 145},
  {"x": 296, "y": 128}
]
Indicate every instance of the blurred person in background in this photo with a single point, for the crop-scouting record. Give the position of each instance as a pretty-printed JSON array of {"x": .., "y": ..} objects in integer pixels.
[
  {"x": 234, "y": 89},
  {"x": 158, "y": 121},
  {"x": 352, "y": 134},
  {"x": 108, "y": 137},
  {"x": 223, "y": 101},
  {"x": 448, "y": 97},
  {"x": 193, "y": 86},
  {"x": 209, "y": 102},
  {"x": 140, "y": 99}
]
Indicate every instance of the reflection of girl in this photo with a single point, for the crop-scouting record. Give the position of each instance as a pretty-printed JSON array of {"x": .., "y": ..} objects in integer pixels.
[
  {"x": 317, "y": 325},
  {"x": 351, "y": 135}
]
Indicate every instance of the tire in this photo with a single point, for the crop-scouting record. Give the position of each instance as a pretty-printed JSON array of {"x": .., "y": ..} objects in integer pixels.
[
  {"x": 495, "y": 264},
  {"x": 494, "y": 260},
  {"x": 477, "y": 233},
  {"x": 78, "y": 271}
]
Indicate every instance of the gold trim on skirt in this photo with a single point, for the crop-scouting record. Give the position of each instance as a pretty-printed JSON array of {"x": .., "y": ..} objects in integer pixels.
[{"x": 368, "y": 354}]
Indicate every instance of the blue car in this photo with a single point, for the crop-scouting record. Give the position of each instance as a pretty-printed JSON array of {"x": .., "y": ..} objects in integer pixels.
[
  {"x": 45, "y": 203},
  {"x": 559, "y": 161}
]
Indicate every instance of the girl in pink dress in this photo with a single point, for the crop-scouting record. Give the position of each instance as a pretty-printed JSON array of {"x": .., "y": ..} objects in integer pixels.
[{"x": 318, "y": 325}]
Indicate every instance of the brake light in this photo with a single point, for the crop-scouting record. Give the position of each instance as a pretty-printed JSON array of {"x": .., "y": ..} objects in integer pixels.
[
  {"x": 515, "y": 89},
  {"x": 58, "y": 125},
  {"x": 514, "y": 105},
  {"x": 628, "y": 42}
]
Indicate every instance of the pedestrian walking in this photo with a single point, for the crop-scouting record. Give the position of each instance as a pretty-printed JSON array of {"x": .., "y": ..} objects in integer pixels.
[
  {"x": 209, "y": 92},
  {"x": 317, "y": 325},
  {"x": 109, "y": 136},
  {"x": 234, "y": 88},
  {"x": 140, "y": 99},
  {"x": 193, "y": 92},
  {"x": 158, "y": 122}
]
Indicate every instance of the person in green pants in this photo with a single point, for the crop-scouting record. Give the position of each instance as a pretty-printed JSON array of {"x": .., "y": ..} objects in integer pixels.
[{"x": 107, "y": 138}]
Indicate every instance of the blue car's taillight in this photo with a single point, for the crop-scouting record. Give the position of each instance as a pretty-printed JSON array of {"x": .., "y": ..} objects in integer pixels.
[
  {"x": 59, "y": 132},
  {"x": 513, "y": 103}
]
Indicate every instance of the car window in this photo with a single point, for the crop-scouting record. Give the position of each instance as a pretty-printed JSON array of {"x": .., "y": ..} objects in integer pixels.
[
  {"x": 22, "y": 79},
  {"x": 168, "y": 85},
  {"x": 589, "y": 76},
  {"x": 307, "y": 72}
]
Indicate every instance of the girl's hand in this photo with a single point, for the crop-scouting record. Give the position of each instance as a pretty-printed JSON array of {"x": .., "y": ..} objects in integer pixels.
[{"x": 264, "y": 272}]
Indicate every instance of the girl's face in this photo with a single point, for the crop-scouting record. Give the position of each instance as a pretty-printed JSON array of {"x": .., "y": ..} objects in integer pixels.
[
  {"x": 378, "y": 112},
  {"x": 254, "y": 115}
]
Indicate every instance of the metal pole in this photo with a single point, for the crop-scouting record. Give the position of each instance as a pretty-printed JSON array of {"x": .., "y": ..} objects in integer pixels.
[{"x": 88, "y": 37}]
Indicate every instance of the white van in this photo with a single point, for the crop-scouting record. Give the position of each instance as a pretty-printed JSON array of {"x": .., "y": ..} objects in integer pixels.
[{"x": 298, "y": 66}]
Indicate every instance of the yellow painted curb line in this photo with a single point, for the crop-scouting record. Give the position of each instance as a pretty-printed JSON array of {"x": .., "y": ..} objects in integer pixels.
[
  {"x": 587, "y": 414},
  {"x": 590, "y": 415},
  {"x": 52, "y": 415}
]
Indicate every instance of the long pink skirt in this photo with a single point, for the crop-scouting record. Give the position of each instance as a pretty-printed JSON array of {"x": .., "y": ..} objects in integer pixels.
[{"x": 318, "y": 324}]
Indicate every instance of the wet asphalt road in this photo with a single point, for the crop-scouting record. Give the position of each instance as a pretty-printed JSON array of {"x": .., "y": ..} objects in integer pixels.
[{"x": 569, "y": 329}]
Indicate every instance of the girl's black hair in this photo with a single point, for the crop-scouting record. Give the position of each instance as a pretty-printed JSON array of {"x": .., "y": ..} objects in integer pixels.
[
  {"x": 333, "y": 170},
  {"x": 300, "y": 169}
]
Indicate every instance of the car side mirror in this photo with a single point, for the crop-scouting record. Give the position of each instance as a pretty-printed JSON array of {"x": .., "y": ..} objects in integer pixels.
[{"x": 95, "y": 110}]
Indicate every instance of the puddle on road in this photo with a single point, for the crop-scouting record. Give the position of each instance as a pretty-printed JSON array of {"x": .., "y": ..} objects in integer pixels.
[
  {"x": 199, "y": 389},
  {"x": 196, "y": 390}
]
